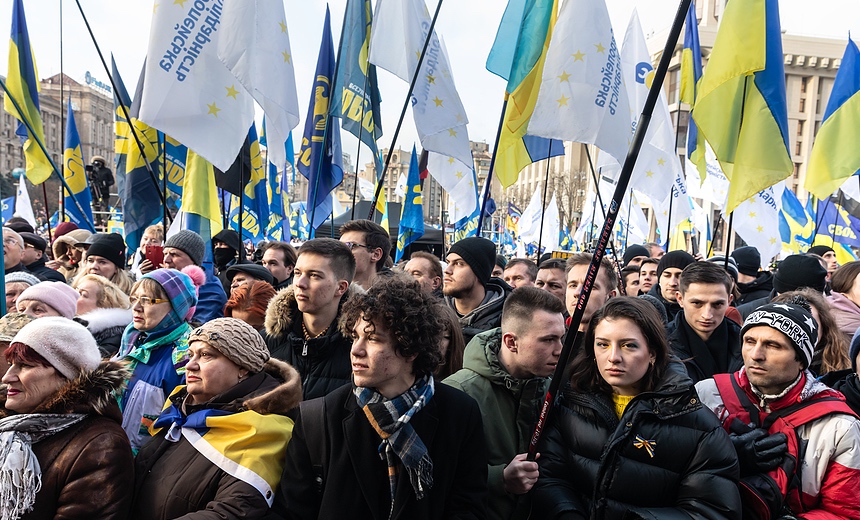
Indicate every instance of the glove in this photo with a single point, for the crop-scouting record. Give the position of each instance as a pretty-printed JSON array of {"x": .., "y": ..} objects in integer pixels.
[{"x": 757, "y": 451}]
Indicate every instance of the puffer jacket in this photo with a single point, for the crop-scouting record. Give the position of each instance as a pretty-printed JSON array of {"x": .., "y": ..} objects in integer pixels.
[
  {"x": 666, "y": 458},
  {"x": 323, "y": 362},
  {"x": 173, "y": 479},
  {"x": 486, "y": 316},
  {"x": 107, "y": 326},
  {"x": 509, "y": 409},
  {"x": 87, "y": 469}
]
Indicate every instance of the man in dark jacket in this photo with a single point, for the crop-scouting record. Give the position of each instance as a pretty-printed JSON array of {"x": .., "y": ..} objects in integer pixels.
[
  {"x": 34, "y": 258},
  {"x": 371, "y": 245},
  {"x": 701, "y": 335},
  {"x": 187, "y": 248},
  {"x": 13, "y": 251},
  {"x": 605, "y": 286},
  {"x": 752, "y": 283},
  {"x": 475, "y": 297},
  {"x": 795, "y": 272},
  {"x": 301, "y": 322},
  {"x": 227, "y": 250},
  {"x": 280, "y": 259},
  {"x": 668, "y": 279},
  {"x": 393, "y": 444},
  {"x": 507, "y": 371}
]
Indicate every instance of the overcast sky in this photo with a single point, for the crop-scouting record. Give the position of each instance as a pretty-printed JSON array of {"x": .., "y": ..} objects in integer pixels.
[{"x": 468, "y": 27}]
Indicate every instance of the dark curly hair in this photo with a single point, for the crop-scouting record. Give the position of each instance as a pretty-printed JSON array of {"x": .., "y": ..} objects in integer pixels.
[{"x": 407, "y": 312}]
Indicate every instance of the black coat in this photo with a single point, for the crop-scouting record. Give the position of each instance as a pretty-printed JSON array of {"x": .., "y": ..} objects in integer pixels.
[
  {"x": 45, "y": 273},
  {"x": 591, "y": 467},
  {"x": 672, "y": 308},
  {"x": 758, "y": 288},
  {"x": 700, "y": 361},
  {"x": 356, "y": 479}
]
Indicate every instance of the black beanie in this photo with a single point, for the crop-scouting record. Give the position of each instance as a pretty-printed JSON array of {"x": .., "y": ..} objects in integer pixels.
[
  {"x": 229, "y": 237},
  {"x": 748, "y": 259},
  {"x": 501, "y": 261},
  {"x": 798, "y": 271},
  {"x": 678, "y": 258},
  {"x": 794, "y": 321},
  {"x": 633, "y": 251},
  {"x": 820, "y": 250},
  {"x": 479, "y": 253},
  {"x": 110, "y": 246}
]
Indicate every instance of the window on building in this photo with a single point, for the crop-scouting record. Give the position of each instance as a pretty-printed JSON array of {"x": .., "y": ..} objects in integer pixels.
[
  {"x": 800, "y": 128},
  {"x": 798, "y": 147},
  {"x": 796, "y": 173},
  {"x": 674, "y": 81},
  {"x": 802, "y": 105},
  {"x": 803, "y": 85}
]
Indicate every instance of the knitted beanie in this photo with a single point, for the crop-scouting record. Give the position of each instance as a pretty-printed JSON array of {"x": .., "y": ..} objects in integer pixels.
[
  {"x": 820, "y": 250},
  {"x": 110, "y": 246},
  {"x": 501, "y": 261},
  {"x": 34, "y": 240},
  {"x": 479, "y": 253},
  {"x": 633, "y": 251},
  {"x": 229, "y": 237},
  {"x": 58, "y": 295},
  {"x": 748, "y": 259},
  {"x": 22, "y": 276},
  {"x": 678, "y": 258},
  {"x": 67, "y": 345},
  {"x": 12, "y": 323},
  {"x": 180, "y": 287},
  {"x": 238, "y": 341},
  {"x": 731, "y": 267},
  {"x": 189, "y": 243},
  {"x": 792, "y": 320},
  {"x": 798, "y": 271}
]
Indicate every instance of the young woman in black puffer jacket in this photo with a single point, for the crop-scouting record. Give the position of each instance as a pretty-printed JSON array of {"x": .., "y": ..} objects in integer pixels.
[{"x": 629, "y": 438}]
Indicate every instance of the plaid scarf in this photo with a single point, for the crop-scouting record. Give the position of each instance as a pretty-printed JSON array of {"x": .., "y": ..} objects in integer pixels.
[{"x": 400, "y": 444}]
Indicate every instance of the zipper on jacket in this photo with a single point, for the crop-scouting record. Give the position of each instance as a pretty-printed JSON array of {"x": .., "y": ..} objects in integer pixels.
[{"x": 305, "y": 348}]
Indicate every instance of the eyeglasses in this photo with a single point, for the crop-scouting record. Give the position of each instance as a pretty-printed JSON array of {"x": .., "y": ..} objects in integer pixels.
[
  {"x": 145, "y": 301},
  {"x": 10, "y": 241},
  {"x": 353, "y": 245}
]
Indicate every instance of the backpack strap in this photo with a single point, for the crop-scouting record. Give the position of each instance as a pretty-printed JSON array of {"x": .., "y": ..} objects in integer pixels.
[
  {"x": 314, "y": 431},
  {"x": 734, "y": 397},
  {"x": 803, "y": 412}
]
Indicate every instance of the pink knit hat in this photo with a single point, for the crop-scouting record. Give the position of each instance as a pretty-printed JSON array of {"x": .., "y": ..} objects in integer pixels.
[{"x": 58, "y": 295}]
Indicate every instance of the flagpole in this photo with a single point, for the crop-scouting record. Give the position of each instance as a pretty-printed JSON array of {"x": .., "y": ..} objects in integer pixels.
[
  {"x": 603, "y": 211},
  {"x": 543, "y": 200},
  {"x": 47, "y": 215},
  {"x": 629, "y": 208},
  {"x": 729, "y": 237},
  {"x": 62, "y": 97},
  {"x": 38, "y": 141},
  {"x": 242, "y": 193},
  {"x": 317, "y": 178},
  {"x": 669, "y": 222},
  {"x": 165, "y": 210},
  {"x": 123, "y": 107},
  {"x": 574, "y": 336},
  {"x": 406, "y": 103}
]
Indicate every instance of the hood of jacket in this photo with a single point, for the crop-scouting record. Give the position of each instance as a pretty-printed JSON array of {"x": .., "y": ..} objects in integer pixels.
[
  {"x": 496, "y": 292},
  {"x": 764, "y": 282},
  {"x": 283, "y": 309},
  {"x": 279, "y": 399},
  {"x": 90, "y": 393},
  {"x": 102, "y": 319},
  {"x": 482, "y": 357}
]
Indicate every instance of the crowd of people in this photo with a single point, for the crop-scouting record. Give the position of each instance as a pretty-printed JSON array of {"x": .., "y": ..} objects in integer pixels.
[{"x": 326, "y": 382}]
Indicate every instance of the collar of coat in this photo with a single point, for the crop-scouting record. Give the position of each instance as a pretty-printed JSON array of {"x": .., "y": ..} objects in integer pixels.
[{"x": 283, "y": 309}]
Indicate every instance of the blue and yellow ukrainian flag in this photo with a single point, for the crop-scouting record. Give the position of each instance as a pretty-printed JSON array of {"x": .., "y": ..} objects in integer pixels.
[
  {"x": 835, "y": 155},
  {"x": 795, "y": 224},
  {"x": 23, "y": 84},
  {"x": 691, "y": 73},
  {"x": 412, "y": 214},
  {"x": 255, "y": 212},
  {"x": 518, "y": 55},
  {"x": 76, "y": 176},
  {"x": 834, "y": 227},
  {"x": 741, "y": 108},
  {"x": 468, "y": 225}
]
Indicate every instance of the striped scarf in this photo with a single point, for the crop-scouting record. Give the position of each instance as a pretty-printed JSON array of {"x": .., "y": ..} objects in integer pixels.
[{"x": 400, "y": 444}]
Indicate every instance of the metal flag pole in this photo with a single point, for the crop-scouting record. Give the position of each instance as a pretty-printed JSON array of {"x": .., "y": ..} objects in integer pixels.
[
  {"x": 543, "y": 199},
  {"x": 125, "y": 113},
  {"x": 574, "y": 336},
  {"x": 32, "y": 133},
  {"x": 602, "y": 211},
  {"x": 381, "y": 179}
]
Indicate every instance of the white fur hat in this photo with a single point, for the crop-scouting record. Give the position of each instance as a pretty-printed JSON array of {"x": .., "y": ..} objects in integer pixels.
[{"x": 67, "y": 345}]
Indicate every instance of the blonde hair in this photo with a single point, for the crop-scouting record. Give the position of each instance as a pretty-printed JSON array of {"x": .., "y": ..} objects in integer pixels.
[
  {"x": 110, "y": 295},
  {"x": 122, "y": 278},
  {"x": 157, "y": 230}
]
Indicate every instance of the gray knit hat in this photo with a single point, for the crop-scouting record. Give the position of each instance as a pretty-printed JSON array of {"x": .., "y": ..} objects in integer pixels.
[
  {"x": 67, "y": 345},
  {"x": 236, "y": 340},
  {"x": 22, "y": 276},
  {"x": 189, "y": 243}
]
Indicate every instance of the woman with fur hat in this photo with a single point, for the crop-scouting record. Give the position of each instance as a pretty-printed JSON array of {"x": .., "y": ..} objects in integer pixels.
[
  {"x": 220, "y": 442},
  {"x": 104, "y": 309},
  {"x": 63, "y": 453},
  {"x": 155, "y": 344}
]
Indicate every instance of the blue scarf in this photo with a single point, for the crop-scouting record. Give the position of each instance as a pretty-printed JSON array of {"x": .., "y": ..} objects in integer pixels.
[{"x": 400, "y": 444}]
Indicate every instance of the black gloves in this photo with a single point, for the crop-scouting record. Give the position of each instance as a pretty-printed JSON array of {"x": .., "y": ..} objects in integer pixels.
[{"x": 757, "y": 451}]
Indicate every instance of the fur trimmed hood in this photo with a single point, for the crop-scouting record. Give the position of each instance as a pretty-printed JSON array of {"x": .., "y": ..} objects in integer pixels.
[
  {"x": 90, "y": 393},
  {"x": 283, "y": 309},
  {"x": 283, "y": 398},
  {"x": 103, "y": 319}
]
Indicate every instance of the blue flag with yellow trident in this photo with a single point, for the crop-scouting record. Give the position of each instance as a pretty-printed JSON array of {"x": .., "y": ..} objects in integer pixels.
[
  {"x": 355, "y": 97},
  {"x": 76, "y": 176},
  {"x": 412, "y": 215},
  {"x": 320, "y": 156},
  {"x": 255, "y": 212},
  {"x": 23, "y": 84}
]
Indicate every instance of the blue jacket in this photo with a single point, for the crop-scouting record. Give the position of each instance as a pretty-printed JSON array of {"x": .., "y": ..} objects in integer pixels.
[{"x": 211, "y": 300}]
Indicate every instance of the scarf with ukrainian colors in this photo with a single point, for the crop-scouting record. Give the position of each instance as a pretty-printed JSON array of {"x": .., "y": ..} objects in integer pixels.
[
  {"x": 20, "y": 473},
  {"x": 247, "y": 445},
  {"x": 400, "y": 443}
]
